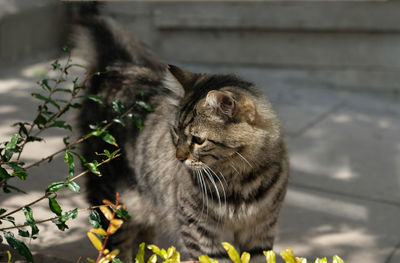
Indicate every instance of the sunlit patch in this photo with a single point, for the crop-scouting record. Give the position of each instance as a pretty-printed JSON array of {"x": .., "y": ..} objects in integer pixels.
[{"x": 326, "y": 205}]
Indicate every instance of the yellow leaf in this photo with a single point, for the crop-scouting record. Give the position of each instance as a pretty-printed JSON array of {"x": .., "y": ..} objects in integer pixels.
[
  {"x": 106, "y": 251},
  {"x": 115, "y": 224},
  {"x": 245, "y": 258},
  {"x": 155, "y": 249},
  {"x": 170, "y": 252},
  {"x": 95, "y": 241},
  {"x": 99, "y": 231},
  {"x": 301, "y": 260},
  {"x": 287, "y": 257},
  {"x": 152, "y": 259},
  {"x": 321, "y": 260},
  {"x": 106, "y": 212},
  {"x": 337, "y": 259},
  {"x": 270, "y": 256},
  {"x": 233, "y": 254}
]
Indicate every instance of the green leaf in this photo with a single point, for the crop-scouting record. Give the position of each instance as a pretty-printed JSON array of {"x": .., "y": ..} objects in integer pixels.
[
  {"x": 119, "y": 121},
  {"x": 63, "y": 90},
  {"x": 23, "y": 233},
  {"x": 34, "y": 139},
  {"x": 18, "y": 171},
  {"x": 7, "y": 189},
  {"x": 48, "y": 100},
  {"x": 54, "y": 187},
  {"x": 56, "y": 65},
  {"x": 138, "y": 122},
  {"x": 118, "y": 107},
  {"x": 12, "y": 143},
  {"x": 10, "y": 219},
  {"x": 45, "y": 84},
  {"x": 122, "y": 213},
  {"x": 74, "y": 187},
  {"x": 4, "y": 174},
  {"x": 108, "y": 138},
  {"x": 65, "y": 49},
  {"x": 144, "y": 105},
  {"x": 2, "y": 211},
  {"x": 22, "y": 129},
  {"x": 140, "y": 254},
  {"x": 22, "y": 249},
  {"x": 76, "y": 105},
  {"x": 54, "y": 206},
  {"x": 96, "y": 133},
  {"x": 30, "y": 220},
  {"x": 61, "y": 124},
  {"x": 40, "y": 120},
  {"x": 1, "y": 239},
  {"x": 72, "y": 214},
  {"x": 11, "y": 147},
  {"x": 321, "y": 260},
  {"x": 92, "y": 97},
  {"x": 116, "y": 260},
  {"x": 93, "y": 168},
  {"x": 69, "y": 159},
  {"x": 233, "y": 254},
  {"x": 94, "y": 219}
]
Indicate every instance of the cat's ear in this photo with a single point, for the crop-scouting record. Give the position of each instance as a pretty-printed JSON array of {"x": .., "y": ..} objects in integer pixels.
[
  {"x": 222, "y": 103},
  {"x": 184, "y": 77}
]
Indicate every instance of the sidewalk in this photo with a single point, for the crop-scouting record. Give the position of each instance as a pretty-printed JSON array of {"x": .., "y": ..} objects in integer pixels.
[{"x": 344, "y": 194}]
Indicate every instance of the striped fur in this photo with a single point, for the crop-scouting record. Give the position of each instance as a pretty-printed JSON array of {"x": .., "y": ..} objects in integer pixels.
[{"x": 210, "y": 164}]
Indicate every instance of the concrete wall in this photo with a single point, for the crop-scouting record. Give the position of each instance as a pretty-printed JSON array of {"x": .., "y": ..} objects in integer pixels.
[
  {"x": 341, "y": 44},
  {"x": 29, "y": 28},
  {"x": 345, "y": 44}
]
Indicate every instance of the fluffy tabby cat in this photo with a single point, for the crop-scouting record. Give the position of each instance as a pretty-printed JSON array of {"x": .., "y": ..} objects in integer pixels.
[{"x": 210, "y": 164}]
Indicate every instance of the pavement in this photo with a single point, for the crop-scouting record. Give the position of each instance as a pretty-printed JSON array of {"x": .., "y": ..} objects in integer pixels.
[{"x": 344, "y": 147}]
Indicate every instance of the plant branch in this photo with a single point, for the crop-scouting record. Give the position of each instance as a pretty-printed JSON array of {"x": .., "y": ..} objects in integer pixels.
[
  {"x": 48, "y": 194},
  {"x": 32, "y": 125},
  {"x": 51, "y": 156},
  {"x": 31, "y": 203},
  {"x": 47, "y": 220}
]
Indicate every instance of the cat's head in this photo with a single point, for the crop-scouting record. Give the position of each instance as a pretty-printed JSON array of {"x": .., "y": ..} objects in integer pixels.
[{"x": 223, "y": 123}]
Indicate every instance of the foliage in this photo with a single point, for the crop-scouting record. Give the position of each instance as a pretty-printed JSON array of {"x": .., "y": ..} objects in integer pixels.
[
  {"x": 57, "y": 97},
  {"x": 98, "y": 236}
]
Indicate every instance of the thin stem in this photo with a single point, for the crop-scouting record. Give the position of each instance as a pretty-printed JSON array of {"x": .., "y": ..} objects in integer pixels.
[
  {"x": 48, "y": 194},
  {"x": 48, "y": 219},
  {"x": 58, "y": 81},
  {"x": 51, "y": 156},
  {"x": 31, "y": 203}
]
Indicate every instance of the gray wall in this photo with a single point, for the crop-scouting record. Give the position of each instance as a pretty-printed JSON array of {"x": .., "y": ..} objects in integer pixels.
[
  {"x": 344, "y": 44},
  {"x": 341, "y": 44}
]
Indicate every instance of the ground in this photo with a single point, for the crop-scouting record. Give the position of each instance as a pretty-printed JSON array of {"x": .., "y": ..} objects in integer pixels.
[{"x": 344, "y": 149}]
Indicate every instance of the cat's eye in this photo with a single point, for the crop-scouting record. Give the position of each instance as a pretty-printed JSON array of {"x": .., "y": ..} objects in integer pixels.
[{"x": 198, "y": 140}]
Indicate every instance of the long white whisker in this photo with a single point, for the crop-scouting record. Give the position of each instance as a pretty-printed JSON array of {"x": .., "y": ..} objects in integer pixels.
[
  {"x": 219, "y": 179},
  {"x": 209, "y": 175},
  {"x": 234, "y": 168},
  {"x": 245, "y": 159},
  {"x": 202, "y": 190},
  {"x": 205, "y": 190}
]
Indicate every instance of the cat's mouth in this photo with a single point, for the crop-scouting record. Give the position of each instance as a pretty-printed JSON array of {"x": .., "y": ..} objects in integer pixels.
[{"x": 194, "y": 164}]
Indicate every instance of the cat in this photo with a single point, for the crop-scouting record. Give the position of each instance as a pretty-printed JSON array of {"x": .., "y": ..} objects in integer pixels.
[{"x": 210, "y": 164}]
